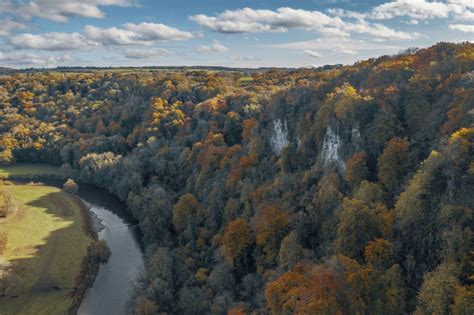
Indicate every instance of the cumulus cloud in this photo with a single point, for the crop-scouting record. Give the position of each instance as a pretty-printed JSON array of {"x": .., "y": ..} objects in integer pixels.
[
  {"x": 312, "y": 53},
  {"x": 466, "y": 28},
  {"x": 19, "y": 59},
  {"x": 131, "y": 34},
  {"x": 153, "y": 31},
  {"x": 248, "y": 20},
  {"x": 112, "y": 36},
  {"x": 8, "y": 26},
  {"x": 135, "y": 34},
  {"x": 379, "y": 31},
  {"x": 216, "y": 46},
  {"x": 51, "y": 41},
  {"x": 61, "y": 10},
  {"x": 414, "y": 9},
  {"x": 146, "y": 53}
]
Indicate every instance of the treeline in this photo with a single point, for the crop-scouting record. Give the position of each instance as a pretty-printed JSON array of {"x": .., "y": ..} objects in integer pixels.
[{"x": 342, "y": 190}]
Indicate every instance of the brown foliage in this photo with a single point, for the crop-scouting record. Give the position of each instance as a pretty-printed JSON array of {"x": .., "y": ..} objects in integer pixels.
[
  {"x": 271, "y": 223},
  {"x": 394, "y": 164},
  {"x": 356, "y": 168},
  {"x": 237, "y": 237}
]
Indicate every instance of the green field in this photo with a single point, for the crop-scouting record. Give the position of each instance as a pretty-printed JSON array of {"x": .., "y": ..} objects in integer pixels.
[
  {"x": 46, "y": 244},
  {"x": 29, "y": 170}
]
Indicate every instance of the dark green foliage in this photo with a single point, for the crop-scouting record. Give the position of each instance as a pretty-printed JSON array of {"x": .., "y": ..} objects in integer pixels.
[{"x": 364, "y": 190}]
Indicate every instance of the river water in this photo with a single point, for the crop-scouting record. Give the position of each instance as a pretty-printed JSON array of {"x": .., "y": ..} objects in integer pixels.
[{"x": 112, "y": 287}]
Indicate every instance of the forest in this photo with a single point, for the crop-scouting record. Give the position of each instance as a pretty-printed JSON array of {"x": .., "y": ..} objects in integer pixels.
[{"x": 337, "y": 190}]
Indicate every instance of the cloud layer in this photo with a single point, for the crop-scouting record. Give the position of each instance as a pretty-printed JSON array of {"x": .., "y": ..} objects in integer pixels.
[
  {"x": 248, "y": 20},
  {"x": 60, "y": 10},
  {"x": 216, "y": 46},
  {"x": 130, "y": 34},
  {"x": 415, "y": 10}
]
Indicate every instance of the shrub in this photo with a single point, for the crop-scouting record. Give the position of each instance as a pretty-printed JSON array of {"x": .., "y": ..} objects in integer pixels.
[{"x": 71, "y": 187}]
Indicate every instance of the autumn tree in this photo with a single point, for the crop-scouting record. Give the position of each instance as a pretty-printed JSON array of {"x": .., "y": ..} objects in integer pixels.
[
  {"x": 271, "y": 223},
  {"x": 237, "y": 237},
  {"x": 143, "y": 306},
  {"x": 283, "y": 294},
  {"x": 291, "y": 251},
  {"x": 70, "y": 186},
  {"x": 359, "y": 223},
  {"x": 356, "y": 169},
  {"x": 323, "y": 295},
  {"x": 6, "y": 157},
  {"x": 187, "y": 215},
  {"x": 437, "y": 293},
  {"x": 321, "y": 209},
  {"x": 394, "y": 164},
  {"x": 379, "y": 253}
]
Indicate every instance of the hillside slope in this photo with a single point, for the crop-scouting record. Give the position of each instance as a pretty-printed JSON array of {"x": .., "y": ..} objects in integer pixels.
[{"x": 342, "y": 190}]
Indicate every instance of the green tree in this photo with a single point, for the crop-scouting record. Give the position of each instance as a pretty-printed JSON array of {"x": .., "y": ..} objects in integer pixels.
[
  {"x": 187, "y": 215},
  {"x": 394, "y": 164},
  {"x": 438, "y": 291},
  {"x": 358, "y": 224},
  {"x": 291, "y": 251}
]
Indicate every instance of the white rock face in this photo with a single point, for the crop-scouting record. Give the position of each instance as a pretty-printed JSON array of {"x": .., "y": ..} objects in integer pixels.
[
  {"x": 331, "y": 146},
  {"x": 279, "y": 138}
]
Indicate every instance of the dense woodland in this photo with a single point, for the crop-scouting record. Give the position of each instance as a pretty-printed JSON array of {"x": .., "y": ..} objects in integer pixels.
[{"x": 341, "y": 190}]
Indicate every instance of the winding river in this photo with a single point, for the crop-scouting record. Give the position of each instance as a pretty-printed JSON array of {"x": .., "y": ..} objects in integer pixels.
[{"x": 113, "y": 286}]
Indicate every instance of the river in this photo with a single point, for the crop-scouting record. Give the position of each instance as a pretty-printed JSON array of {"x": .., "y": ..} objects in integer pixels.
[{"x": 113, "y": 286}]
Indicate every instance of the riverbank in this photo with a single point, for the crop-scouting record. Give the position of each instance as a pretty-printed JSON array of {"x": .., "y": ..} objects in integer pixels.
[
  {"x": 105, "y": 215},
  {"x": 47, "y": 242},
  {"x": 97, "y": 254}
]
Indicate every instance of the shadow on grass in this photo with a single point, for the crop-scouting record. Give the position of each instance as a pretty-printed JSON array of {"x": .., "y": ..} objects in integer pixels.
[{"x": 54, "y": 258}]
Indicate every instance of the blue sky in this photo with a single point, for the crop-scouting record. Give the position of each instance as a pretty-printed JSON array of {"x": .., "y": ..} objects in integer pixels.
[{"x": 49, "y": 33}]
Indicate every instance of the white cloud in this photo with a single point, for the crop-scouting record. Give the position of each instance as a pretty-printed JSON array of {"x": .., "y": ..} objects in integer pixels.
[
  {"x": 131, "y": 34},
  {"x": 346, "y": 13},
  {"x": 216, "y": 46},
  {"x": 153, "y": 31},
  {"x": 336, "y": 45},
  {"x": 146, "y": 53},
  {"x": 135, "y": 34},
  {"x": 466, "y": 28},
  {"x": 312, "y": 53},
  {"x": 19, "y": 59},
  {"x": 244, "y": 58},
  {"x": 50, "y": 41},
  {"x": 112, "y": 36},
  {"x": 61, "y": 10},
  {"x": 410, "y": 22},
  {"x": 379, "y": 31},
  {"x": 466, "y": 15},
  {"x": 248, "y": 20},
  {"x": 414, "y": 9},
  {"x": 8, "y": 26},
  {"x": 346, "y": 51}
]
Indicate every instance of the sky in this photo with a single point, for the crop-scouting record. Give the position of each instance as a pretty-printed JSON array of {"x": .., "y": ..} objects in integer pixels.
[{"x": 246, "y": 33}]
